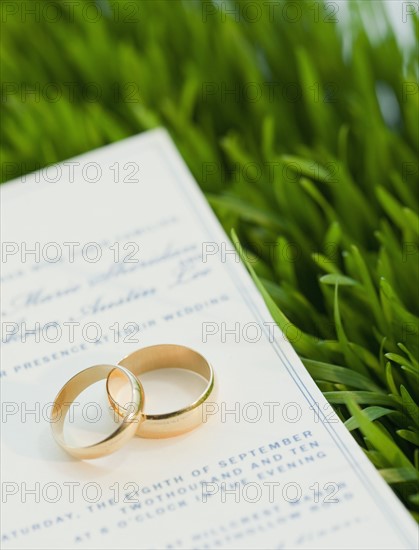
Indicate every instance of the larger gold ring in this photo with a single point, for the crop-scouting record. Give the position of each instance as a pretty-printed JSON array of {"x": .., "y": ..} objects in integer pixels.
[
  {"x": 126, "y": 429},
  {"x": 162, "y": 357}
]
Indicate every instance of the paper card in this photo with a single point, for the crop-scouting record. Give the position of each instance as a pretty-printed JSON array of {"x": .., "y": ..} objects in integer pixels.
[{"x": 126, "y": 253}]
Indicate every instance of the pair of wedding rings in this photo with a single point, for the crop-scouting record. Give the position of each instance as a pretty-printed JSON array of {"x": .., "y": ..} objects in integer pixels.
[{"x": 134, "y": 420}]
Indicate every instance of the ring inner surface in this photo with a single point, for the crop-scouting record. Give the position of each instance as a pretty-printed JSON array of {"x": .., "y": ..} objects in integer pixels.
[{"x": 160, "y": 357}]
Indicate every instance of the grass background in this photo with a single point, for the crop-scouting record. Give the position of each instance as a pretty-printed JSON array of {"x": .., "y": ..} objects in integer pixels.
[{"x": 305, "y": 141}]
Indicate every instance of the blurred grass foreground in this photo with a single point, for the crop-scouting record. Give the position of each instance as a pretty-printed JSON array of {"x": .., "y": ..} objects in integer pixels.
[{"x": 300, "y": 122}]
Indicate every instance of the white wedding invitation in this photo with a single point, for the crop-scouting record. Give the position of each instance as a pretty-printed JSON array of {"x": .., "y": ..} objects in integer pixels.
[{"x": 116, "y": 250}]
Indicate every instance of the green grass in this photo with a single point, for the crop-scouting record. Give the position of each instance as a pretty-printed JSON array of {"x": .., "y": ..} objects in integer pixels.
[{"x": 313, "y": 163}]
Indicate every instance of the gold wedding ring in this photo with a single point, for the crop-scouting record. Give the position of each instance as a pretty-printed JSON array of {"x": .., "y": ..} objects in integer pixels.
[
  {"x": 126, "y": 429},
  {"x": 162, "y": 357}
]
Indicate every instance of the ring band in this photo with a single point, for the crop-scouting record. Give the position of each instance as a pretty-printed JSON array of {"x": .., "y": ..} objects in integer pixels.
[
  {"x": 161, "y": 357},
  {"x": 125, "y": 431}
]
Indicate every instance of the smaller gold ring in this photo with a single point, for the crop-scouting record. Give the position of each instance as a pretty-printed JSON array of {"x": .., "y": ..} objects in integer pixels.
[
  {"x": 162, "y": 357},
  {"x": 126, "y": 429}
]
